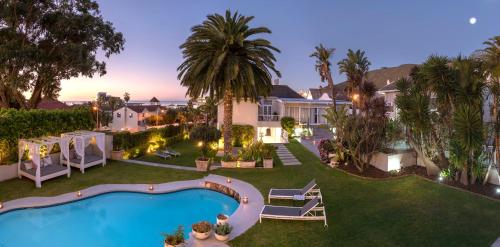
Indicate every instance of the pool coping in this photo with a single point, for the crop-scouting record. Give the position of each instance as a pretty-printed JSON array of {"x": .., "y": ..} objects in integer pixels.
[{"x": 243, "y": 218}]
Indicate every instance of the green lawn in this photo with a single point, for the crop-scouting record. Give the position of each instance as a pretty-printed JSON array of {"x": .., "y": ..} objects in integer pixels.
[
  {"x": 188, "y": 151},
  {"x": 407, "y": 211}
]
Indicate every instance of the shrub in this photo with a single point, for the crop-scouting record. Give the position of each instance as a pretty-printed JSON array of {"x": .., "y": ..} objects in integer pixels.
[
  {"x": 288, "y": 124},
  {"x": 223, "y": 229},
  {"x": 202, "y": 227},
  {"x": 205, "y": 135},
  {"x": 176, "y": 238},
  {"x": 325, "y": 147},
  {"x": 268, "y": 151},
  {"x": 243, "y": 135},
  {"x": 125, "y": 140},
  {"x": 229, "y": 158},
  {"x": 16, "y": 124}
]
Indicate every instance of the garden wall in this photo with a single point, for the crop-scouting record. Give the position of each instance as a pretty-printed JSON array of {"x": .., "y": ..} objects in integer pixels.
[{"x": 393, "y": 161}]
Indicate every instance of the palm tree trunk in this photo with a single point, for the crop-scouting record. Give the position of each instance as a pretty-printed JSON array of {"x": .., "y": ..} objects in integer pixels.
[
  {"x": 330, "y": 84},
  {"x": 496, "y": 122},
  {"x": 228, "y": 121}
]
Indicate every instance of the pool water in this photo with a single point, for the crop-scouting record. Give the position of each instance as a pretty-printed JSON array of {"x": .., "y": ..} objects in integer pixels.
[{"x": 115, "y": 219}]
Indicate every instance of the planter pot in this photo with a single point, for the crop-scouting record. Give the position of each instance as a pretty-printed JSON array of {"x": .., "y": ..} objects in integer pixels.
[
  {"x": 201, "y": 235},
  {"x": 222, "y": 237},
  {"x": 222, "y": 222},
  {"x": 268, "y": 163},
  {"x": 247, "y": 164},
  {"x": 117, "y": 155},
  {"x": 202, "y": 165},
  {"x": 228, "y": 164},
  {"x": 178, "y": 245}
]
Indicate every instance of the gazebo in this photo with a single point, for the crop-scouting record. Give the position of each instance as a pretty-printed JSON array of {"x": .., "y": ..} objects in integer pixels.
[
  {"x": 82, "y": 155},
  {"x": 38, "y": 168}
]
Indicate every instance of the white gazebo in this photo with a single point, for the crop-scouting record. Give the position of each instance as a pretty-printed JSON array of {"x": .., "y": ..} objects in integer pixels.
[
  {"x": 80, "y": 156},
  {"x": 38, "y": 168}
]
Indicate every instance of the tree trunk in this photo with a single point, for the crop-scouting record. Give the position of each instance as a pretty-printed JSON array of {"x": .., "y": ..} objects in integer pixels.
[
  {"x": 464, "y": 178},
  {"x": 330, "y": 84},
  {"x": 496, "y": 122},
  {"x": 431, "y": 167},
  {"x": 228, "y": 121},
  {"x": 36, "y": 96}
]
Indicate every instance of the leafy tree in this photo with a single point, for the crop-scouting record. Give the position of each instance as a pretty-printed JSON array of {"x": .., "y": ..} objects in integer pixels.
[
  {"x": 356, "y": 67},
  {"x": 209, "y": 111},
  {"x": 322, "y": 66},
  {"x": 205, "y": 135},
  {"x": 222, "y": 59},
  {"x": 491, "y": 56},
  {"x": 288, "y": 124},
  {"x": 44, "y": 42}
]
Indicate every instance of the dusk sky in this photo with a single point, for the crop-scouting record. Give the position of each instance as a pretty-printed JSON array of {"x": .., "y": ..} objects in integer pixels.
[{"x": 392, "y": 32}]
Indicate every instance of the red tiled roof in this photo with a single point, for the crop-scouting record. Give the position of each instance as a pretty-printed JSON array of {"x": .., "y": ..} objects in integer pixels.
[{"x": 51, "y": 104}]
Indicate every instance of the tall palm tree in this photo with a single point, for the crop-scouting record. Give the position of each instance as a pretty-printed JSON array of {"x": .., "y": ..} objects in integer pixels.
[
  {"x": 223, "y": 60},
  {"x": 126, "y": 98},
  {"x": 491, "y": 56},
  {"x": 322, "y": 66},
  {"x": 356, "y": 67}
]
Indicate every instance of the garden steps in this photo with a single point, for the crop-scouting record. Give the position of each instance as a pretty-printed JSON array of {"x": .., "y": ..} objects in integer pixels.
[{"x": 287, "y": 158}]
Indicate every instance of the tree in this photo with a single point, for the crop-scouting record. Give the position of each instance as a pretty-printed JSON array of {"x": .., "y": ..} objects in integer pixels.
[
  {"x": 126, "y": 98},
  {"x": 288, "y": 124},
  {"x": 44, "y": 42},
  {"x": 209, "y": 111},
  {"x": 356, "y": 67},
  {"x": 205, "y": 135},
  {"x": 491, "y": 57},
  {"x": 222, "y": 60},
  {"x": 322, "y": 66}
]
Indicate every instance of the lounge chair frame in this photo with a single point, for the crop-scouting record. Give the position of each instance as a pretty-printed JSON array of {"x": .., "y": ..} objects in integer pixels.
[
  {"x": 310, "y": 194},
  {"x": 316, "y": 213}
]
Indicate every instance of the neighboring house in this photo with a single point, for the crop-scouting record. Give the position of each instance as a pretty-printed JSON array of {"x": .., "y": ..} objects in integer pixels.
[
  {"x": 265, "y": 115},
  {"x": 389, "y": 92},
  {"x": 51, "y": 104},
  {"x": 132, "y": 117}
]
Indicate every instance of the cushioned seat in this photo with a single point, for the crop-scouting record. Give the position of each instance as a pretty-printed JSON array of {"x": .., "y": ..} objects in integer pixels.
[
  {"x": 89, "y": 158},
  {"x": 45, "y": 170}
]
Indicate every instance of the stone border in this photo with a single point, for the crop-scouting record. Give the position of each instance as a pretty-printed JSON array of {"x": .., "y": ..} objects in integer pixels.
[{"x": 244, "y": 217}]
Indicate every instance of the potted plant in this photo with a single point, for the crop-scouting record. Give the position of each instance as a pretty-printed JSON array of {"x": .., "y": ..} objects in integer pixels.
[
  {"x": 222, "y": 219},
  {"x": 118, "y": 150},
  {"x": 204, "y": 136},
  {"x": 246, "y": 158},
  {"x": 229, "y": 161},
  {"x": 176, "y": 239},
  {"x": 267, "y": 155},
  {"x": 202, "y": 230},
  {"x": 222, "y": 231}
]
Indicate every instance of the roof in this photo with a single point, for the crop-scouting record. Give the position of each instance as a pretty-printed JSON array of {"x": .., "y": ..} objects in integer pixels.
[
  {"x": 284, "y": 91},
  {"x": 154, "y": 100},
  {"x": 51, "y": 104},
  {"x": 141, "y": 108},
  {"x": 317, "y": 93},
  {"x": 381, "y": 76},
  {"x": 389, "y": 87}
]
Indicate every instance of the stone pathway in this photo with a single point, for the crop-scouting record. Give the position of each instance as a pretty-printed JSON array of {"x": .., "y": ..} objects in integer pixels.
[
  {"x": 286, "y": 157},
  {"x": 146, "y": 163}
]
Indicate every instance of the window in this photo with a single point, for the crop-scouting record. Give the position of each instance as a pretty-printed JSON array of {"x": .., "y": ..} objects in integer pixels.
[
  {"x": 268, "y": 132},
  {"x": 118, "y": 115},
  {"x": 131, "y": 115},
  {"x": 266, "y": 110},
  {"x": 315, "y": 115}
]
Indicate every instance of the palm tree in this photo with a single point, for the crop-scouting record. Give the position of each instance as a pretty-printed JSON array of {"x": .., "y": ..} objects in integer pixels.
[
  {"x": 222, "y": 59},
  {"x": 491, "y": 56},
  {"x": 356, "y": 67},
  {"x": 126, "y": 98},
  {"x": 322, "y": 66}
]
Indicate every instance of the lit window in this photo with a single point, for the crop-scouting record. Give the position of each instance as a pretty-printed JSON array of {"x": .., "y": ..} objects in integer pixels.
[
  {"x": 130, "y": 115},
  {"x": 268, "y": 132},
  {"x": 118, "y": 115}
]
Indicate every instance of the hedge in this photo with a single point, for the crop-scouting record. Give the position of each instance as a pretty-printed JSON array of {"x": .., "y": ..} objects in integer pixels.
[
  {"x": 136, "y": 144},
  {"x": 16, "y": 124},
  {"x": 243, "y": 135}
]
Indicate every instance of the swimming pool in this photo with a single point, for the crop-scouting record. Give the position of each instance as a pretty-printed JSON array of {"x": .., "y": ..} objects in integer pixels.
[{"x": 113, "y": 219}]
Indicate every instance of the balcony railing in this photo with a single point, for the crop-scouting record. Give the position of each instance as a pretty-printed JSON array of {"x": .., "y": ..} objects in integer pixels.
[{"x": 269, "y": 118}]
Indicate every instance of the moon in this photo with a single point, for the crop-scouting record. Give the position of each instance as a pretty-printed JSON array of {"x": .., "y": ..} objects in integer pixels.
[{"x": 472, "y": 20}]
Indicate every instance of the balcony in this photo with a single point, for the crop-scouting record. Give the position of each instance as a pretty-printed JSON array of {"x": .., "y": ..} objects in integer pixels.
[{"x": 269, "y": 118}]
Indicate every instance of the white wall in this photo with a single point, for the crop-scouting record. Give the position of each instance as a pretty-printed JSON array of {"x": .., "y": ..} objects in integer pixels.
[
  {"x": 393, "y": 161},
  {"x": 120, "y": 123},
  {"x": 243, "y": 113}
]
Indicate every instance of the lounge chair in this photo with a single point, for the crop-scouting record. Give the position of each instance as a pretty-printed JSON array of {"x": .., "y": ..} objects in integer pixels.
[
  {"x": 308, "y": 192},
  {"x": 310, "y": 211},
  {"x": 161, "y": 154},
  {"x": 171, "y": 152}
]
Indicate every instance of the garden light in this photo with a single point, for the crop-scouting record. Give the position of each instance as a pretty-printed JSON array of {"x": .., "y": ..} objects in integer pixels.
[
  {"x": 200, "y": 144},
  {"x": 79, "y": 194},
  {"x": 245, "y": 199},
  {"x": 498, "y": 190},
  {"x": 355, "y": 97},
  {"x": 150, "y": 188},
  {"x": 440, "y": 178},
  {"x": 1, "y": 205},
  {"x": 228, "y": 180}
]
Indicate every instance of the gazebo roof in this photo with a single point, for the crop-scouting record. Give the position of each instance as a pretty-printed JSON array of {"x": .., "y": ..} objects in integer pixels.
[{"x": 154, "y": 100}]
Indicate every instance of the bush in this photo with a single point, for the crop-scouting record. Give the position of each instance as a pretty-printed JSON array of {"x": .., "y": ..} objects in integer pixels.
[
  {"x": 125, "y": 140},
  {"x": 243, "y": 135},
  {"x": 202, "y": 227},
  {"x": 325, "y": 147},
  {"x": 268, "y": 151},
  {"x": 176, "y": 238},
  {"x": 16, "y": 124},
  {"x": 288, "y": 124},
  {"x": 223, "y": 229},
  {"x": 206, "y": 135}
]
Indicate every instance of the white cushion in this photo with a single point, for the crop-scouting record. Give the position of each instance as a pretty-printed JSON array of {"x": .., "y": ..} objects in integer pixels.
[
  {"x": 28, "y": 165},
  {"x": 47, "y": 161}
]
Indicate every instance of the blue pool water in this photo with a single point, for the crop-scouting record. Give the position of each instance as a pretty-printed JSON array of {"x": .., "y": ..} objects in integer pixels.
[{"x": 115, "y": 219}]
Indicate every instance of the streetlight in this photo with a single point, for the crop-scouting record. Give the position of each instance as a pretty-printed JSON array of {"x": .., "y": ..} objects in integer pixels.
[{"x": 96, "y": 109}]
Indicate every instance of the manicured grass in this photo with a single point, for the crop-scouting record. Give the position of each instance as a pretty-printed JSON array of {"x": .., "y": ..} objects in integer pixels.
[
  {"x": 408, "y": 211},
  {"x": 188, "y": 151}
]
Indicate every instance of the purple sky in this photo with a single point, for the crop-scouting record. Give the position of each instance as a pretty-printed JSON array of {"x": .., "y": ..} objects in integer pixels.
[{"x": 392, "y": 32}]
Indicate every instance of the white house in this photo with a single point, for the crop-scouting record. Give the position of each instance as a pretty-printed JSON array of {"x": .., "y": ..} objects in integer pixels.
[
  {"x": 265, "y": 115},
  {"x": 132, "y": 117}
]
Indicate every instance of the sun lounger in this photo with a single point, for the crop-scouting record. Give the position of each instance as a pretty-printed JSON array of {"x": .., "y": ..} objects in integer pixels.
[
  {"x": 308, "y": 192},
  {"x": 310, "y": 211},
  {"x": 171, "y": 152},
  {"x": 162, "y": 154}
]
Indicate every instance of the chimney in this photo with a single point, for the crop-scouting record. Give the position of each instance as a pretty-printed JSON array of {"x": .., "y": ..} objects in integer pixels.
[
  {"x": 388, "y": 81},
  {"x": 276, "y": 81}
]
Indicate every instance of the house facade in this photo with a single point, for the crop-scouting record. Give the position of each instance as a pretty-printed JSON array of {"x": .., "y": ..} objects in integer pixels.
[
  {"x": 266, "y": 114},
  {"x": 133, "y": 117}
]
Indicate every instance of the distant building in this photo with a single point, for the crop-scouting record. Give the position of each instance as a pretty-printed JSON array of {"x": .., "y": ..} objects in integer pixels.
[
  {"x": 133, "y": 117},
  {"x": 51, "y": 104}
]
